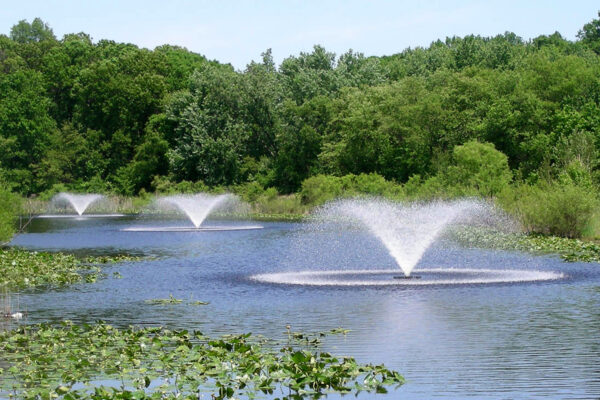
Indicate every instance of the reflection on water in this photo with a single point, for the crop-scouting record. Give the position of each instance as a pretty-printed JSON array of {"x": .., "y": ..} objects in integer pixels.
[{"x": 498, "y": 341}]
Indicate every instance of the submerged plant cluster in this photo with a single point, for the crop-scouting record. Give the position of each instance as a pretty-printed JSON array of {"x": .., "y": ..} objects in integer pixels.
[
  {"x": 569, "y": 249},
  {"x": 100, "y": 361},
  {"x": 21, "y": 269}
]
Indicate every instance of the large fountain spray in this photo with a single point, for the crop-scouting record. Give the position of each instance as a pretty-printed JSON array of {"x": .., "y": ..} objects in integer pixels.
[
  {"x": 406, "y": 230},
  {"x": 197, "y": 206},
  {"x": 79, "y": 202}
]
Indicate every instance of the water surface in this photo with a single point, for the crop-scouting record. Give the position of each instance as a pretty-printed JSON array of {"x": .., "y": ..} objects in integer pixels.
[{"x": 494, "y": 341}]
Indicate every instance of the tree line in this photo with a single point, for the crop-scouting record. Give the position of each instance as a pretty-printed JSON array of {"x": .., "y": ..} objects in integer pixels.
[{"x": 108, "y": 116}]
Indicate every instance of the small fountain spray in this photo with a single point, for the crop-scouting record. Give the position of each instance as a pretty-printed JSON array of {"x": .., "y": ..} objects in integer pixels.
[
  {"x": 197, "y": 206},
  {"x": 79, "y": 202}
]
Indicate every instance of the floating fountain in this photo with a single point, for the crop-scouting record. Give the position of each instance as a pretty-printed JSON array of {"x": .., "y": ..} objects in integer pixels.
[
  {"x": 197, "y": 208},
  {"x": 78, "y": 202},
  {"x": 407, "y": 230}
]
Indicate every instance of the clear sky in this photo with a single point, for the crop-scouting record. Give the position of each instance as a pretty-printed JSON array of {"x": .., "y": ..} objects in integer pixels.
[{"x": 239, "y": 31}]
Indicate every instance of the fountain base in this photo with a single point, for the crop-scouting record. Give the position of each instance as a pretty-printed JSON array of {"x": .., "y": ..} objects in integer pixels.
[
  {"x": 429, "y": 276},
  {"x": 191, "y": 229},
  {"x": 82, "y": 216}
]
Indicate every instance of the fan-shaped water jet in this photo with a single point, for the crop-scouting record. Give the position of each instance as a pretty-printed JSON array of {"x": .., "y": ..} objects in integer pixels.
[
  {"x": 196, "y": 207},
  {"x": 406, "y": 230},
  {"x": 79, "y": 202}
]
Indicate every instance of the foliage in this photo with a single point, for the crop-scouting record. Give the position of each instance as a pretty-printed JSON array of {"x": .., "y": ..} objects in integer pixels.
[
  {"x": 463, "y": 116},
  {"x": 569, "y": 249},
  {"x": 36, "y": 31},
  {"x": 562, "y": 209},
  {"x": 170, "y": 300},
  {"x": 479, "y": 166},
  {"x": 322, "y": 188},
  {"x": 590, "y": 34},
  {"x": 47, "y": 361},
  {"x": 10, "y": 207},
  {"x": 24, "y": 269}
]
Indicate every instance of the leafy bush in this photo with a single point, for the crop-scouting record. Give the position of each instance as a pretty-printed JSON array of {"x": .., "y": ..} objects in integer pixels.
[
  {"x": 561, "y": 209},
  {"x": 479, "y": 167},
  {"x": 270, "y": 202},
  {"x": 431, "y": 188},
  {"x": 249, "y": 191},
  {"x": 10, "y": 207},
  {"x": 47, "y": 194},
  {"x": 319, "y": 189},
  {"x": 164, "y": 185},
  {"x": 371, "y": 184}
]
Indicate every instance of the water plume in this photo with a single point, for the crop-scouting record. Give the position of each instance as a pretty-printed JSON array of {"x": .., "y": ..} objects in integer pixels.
[
  {"x": 407, "y": 230},
  {"x": 197, "y": 207},
  {"x": 79, "y": 202}
]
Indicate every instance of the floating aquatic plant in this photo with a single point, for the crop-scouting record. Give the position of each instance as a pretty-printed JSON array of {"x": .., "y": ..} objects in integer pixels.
[
  {"x": 173, "y": 300},
  {"x": 568, "y": 249},
  {"x": 170, "y": 300},
  {"x": 23, "y": 269},
  {"x": 100, "y": 361}
]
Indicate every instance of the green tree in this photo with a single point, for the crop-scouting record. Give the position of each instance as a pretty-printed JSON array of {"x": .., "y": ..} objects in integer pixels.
[
  {"x": 209, "y": 129},
  {"x": 36, "y": 31},
  {"x": 25, "y": 127},
  {"x": 10, "y": 206},
  {"x": 590, "y": 34},
  {"x": 299, "y": 141}
]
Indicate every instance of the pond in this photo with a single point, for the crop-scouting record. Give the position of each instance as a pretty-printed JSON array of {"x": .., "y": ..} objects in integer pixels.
[{"x": 539, "y": 338}]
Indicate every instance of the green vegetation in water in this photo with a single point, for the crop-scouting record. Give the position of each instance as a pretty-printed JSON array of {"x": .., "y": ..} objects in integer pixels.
[
  {"x": 21, "y": 269},
  {"x": 172, "y": 300},
  {"x": 569, "y": 249},
  {"x": 45, "y": 362},
  {"x": 119, "y": 258},
  {"x": 199, "y": 303},
  {"x": 277, "y": 217}
]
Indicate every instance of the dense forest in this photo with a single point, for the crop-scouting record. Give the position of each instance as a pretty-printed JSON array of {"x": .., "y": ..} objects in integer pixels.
[{"x": 472, "y": 112}]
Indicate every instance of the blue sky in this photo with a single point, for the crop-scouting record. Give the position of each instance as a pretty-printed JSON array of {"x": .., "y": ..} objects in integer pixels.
[{"x": 239, "y": 31}]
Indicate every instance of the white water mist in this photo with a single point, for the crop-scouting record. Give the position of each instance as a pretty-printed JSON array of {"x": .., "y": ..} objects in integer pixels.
[
  {"x": 405, "y": 229},
  {"x": 79, "y": 202},
  {"x": 198, "y": 206}
]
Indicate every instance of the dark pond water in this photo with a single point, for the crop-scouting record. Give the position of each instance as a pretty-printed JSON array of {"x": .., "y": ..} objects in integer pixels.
[{"x": 537, "y": 339}]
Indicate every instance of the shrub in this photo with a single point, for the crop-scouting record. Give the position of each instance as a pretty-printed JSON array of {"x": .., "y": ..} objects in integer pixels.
[
  {"x": 272, "y": 203},
  {"x": 163, "y": 185},
  {"x": 371, "y": 184},
  {"x": 47, "y": 194},
  {"x": 478, "y": 167},
  {"x": 10, "y": 207},
  {"x": 561, "y": 209},
  {"x": 319, "y": 189},
  {"x": 249, "y": 191}
]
